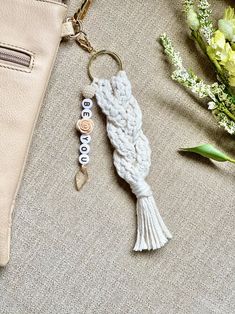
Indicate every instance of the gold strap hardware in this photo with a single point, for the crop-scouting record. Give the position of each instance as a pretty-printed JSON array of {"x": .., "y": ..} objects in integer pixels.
[
  {"x": 84, "y": 42},
  {"x": 82, "y": 11},
  {"x": 76, "y": 21}
]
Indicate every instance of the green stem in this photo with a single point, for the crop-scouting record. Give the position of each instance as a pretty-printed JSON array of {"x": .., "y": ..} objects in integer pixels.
[
  {"x": 228, "y": 113},
  {"x": 199, "y": 40}
]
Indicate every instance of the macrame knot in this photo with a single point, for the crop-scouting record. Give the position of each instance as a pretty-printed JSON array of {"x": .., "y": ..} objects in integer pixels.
[
  {"x": 141, "y": 189},
  {"x": 131, "y": 155}
]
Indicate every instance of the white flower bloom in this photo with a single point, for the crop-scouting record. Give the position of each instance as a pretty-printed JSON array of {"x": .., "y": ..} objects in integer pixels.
[
  {"x": 227, "y": 28},
  {"x": 192, "y": 19},
  {"x": 227, "y": 24},
  {"x": 206, "y": 26},
  {"x": 211, "y": 105},
  {"x": 221, "y": 104},
  {"x": 188, "y": 4}
]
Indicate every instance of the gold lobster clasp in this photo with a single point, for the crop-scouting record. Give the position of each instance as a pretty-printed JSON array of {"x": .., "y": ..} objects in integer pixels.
[{"x": 75, "y": 23}]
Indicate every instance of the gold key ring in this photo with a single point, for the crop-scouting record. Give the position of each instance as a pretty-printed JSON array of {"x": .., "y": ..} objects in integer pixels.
[{"x": 104, "y": 52}]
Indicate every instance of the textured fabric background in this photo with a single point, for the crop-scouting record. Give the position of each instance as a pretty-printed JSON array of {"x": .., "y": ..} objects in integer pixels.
[{"x": 71, "y": 252}]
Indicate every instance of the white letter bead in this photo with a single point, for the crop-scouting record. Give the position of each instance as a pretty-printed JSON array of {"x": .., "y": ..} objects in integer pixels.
[
  {"x": 83, "y": 159},
  {"x": 86, "y": 113},
  {"x": 87, "y": 103},
  {"x": 84, "y": 149},
  {"x": 85, "y": 138}
]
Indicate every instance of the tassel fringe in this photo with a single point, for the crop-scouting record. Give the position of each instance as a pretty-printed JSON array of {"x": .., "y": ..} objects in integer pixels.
[{"x": 152, "y": 233}]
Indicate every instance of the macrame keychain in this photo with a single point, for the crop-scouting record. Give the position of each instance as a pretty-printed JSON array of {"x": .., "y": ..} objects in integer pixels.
[{"x": 131, "y": 147}]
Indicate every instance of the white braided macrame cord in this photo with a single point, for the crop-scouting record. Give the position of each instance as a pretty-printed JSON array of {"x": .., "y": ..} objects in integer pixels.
[{"x": 131, "y": 155}]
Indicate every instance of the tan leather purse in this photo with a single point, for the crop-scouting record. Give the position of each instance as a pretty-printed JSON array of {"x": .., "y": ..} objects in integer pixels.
[{"x": 30, "y": 33}]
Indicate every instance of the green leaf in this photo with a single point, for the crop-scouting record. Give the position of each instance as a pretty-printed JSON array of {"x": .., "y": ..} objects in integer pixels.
[{"x": 209, "y": 151}]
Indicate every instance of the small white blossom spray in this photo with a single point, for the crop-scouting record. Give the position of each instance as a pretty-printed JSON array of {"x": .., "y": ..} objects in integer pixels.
[{"x": 222, "y": 102}]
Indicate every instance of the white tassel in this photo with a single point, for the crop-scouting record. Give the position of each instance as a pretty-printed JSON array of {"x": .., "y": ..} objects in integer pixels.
[
  {"x": 131, "y": 155},
  {"x": 152, "y": 233}
]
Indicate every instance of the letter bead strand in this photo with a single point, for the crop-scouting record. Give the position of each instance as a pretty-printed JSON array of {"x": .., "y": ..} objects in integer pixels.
[{"x": 85, "y": 125}]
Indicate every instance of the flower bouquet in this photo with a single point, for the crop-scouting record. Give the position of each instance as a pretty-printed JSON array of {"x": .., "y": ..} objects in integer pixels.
[{"x": 218, "y": 44}]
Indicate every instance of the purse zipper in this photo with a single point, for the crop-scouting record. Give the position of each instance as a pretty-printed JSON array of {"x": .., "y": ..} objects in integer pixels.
[{"x": 13, "y": 56}]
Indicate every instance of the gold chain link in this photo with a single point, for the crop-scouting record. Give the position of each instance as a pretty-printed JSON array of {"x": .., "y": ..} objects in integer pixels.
[{"x": 82, "y": 11}]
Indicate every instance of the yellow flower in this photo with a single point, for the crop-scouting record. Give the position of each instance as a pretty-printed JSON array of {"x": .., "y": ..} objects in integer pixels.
[
  {"x": 227, "y": 24},
  {"x": 229, "y": 13},
  {"x": 218, "y": 41},
  {"x": 224, "y": 54},
  {"x": 219, "y": 50},
  {"x": 230, "y": 67},
  {"x": 230, "y": 64}
]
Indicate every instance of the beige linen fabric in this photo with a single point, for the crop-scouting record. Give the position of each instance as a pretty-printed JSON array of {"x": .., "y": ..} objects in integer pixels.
[{"x": 71, "y": 252}]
